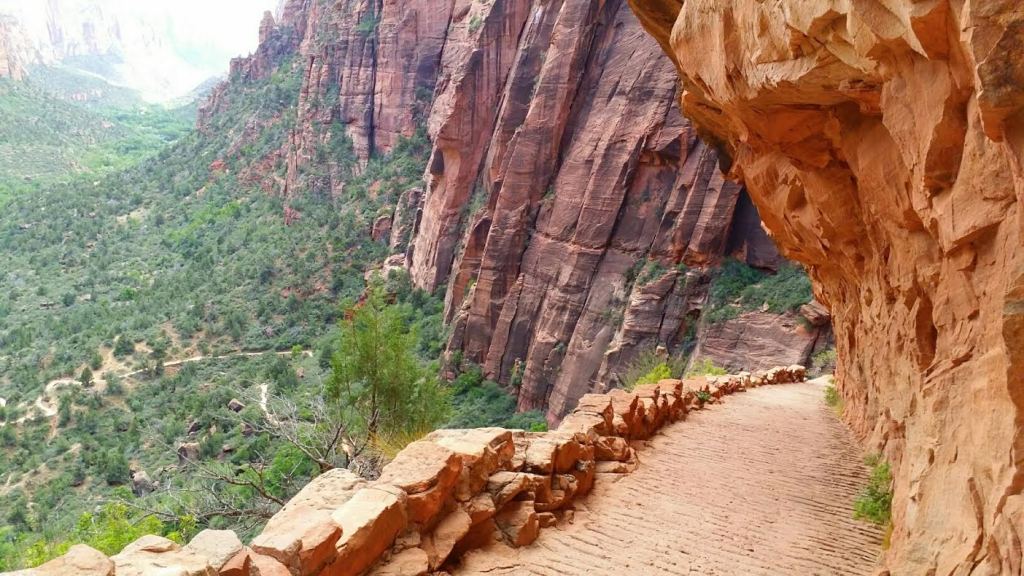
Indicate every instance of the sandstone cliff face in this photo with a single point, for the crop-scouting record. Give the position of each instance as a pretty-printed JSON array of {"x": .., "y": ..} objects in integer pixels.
[
  {"x": 569, "y": 211},
  {"x": 565, "y": 199},
  {"x": 16, "y": 54},
  {"x": 883, "y": 143}
]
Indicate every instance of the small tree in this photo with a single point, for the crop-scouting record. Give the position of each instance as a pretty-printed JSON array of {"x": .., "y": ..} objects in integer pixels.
[
  {"x": 86, "y": 377},
  {"x": 377, "y": 383},
  {"x": 115, "y": 467},
  {"x": 379, "y": 394},
  {"x": 123, "y": 347}
]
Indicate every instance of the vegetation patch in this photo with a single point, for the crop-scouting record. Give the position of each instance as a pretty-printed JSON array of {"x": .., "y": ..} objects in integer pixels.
[
  {"x": 833, "y": 398},
  {"x": 705, "y": 367},
  {"x": 480, "y": 403},
  {"x": 874, "y": 504},
  {"x": 649, "y": 367},
  {"x": 740, "y": 288}
]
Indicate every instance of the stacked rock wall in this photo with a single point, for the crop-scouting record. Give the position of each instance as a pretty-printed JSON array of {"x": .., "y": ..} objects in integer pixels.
[{"x": 451, "y": 492}]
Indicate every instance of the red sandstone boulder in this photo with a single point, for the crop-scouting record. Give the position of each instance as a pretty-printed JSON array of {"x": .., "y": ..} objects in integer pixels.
[
  {"x": 428, "y": 473},
  {"x": 480, "y": 508},
  {"x": 217, "y": 546},
  {"x": 303, "y": 535},
  {"x": 626, "y": 407},
  {"x": 611, "y": 448},
  {"x": 598, "y": 405},
  {"x": 408, "y": 562},
  {"x": 154, "y": 554},
  {"x": 483, "y": 451},
  {"x": 262, "y": 565},
  {"x": 519, "y": 523},
  {"x": 239, "y": 565},
  {"x": 80, "y": 560},
  {"x": 440, "y": 542},
  {"x": 369, "y": 522}
]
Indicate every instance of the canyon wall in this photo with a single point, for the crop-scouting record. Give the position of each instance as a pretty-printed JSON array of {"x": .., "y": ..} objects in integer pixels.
[
  {"x": 570, "y": 213},
  {"x": 883, "y": 143}
]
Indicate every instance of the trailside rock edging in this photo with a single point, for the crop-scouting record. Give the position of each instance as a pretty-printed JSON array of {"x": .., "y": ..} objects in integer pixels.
[{"x": 451, "y": 492}]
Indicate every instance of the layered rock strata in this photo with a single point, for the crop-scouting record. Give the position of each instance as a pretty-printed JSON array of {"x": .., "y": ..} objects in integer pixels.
[
  {"x": 883, "y": 143},
  {"x": 453, "y": 491}
]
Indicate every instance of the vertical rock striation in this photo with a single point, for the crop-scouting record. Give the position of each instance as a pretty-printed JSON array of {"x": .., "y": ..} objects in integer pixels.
[
  {"x": 568, "y": 210},
  {"x": 883, "y": 143},
  {"x": 561, "y": 171}
]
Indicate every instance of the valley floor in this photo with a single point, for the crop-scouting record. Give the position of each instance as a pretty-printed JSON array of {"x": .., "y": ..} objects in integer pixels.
[{"x": 761, "y": 485}]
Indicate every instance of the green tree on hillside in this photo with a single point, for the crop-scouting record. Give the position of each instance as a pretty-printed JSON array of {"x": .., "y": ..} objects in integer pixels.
[
  {"x": 86, "y": 377},
  {"x": 124, "y": 347},
  {"x": 377, "y": 383}
]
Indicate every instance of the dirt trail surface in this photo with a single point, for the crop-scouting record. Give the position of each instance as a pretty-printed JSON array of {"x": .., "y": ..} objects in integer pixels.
[{"x": 760, "y": 485}]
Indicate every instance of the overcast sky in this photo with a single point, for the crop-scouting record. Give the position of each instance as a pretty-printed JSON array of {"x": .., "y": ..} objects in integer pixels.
[
  {"x": 167, "y": 47},
  {"x": 210, "y": 32}
]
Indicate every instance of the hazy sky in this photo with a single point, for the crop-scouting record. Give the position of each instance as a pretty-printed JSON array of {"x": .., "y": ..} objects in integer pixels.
[
  {"x": 211, "y": 32},
  {"x": 167, "y": 46}
]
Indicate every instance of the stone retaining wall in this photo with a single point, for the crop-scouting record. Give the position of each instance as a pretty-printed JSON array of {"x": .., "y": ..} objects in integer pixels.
[{"x": 451, "y": 492}]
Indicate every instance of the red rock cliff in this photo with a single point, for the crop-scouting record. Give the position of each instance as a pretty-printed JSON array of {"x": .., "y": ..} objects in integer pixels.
[
  {"x": 569, "y": 210},
  {"x": 884, "y": 145},
  {"x": 566, "y": 198}
]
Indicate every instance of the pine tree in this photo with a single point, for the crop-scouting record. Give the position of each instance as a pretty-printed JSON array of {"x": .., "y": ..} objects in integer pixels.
[
  {"x": 378, "y": 384},
  {"x": 86, "y": 377}
]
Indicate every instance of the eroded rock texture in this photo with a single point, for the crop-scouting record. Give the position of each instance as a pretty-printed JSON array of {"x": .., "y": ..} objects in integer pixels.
[{"x": 883, "y": 143}]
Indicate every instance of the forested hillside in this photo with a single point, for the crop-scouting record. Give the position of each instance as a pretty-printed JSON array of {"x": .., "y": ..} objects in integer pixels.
[{"x": 112, "y": 277}]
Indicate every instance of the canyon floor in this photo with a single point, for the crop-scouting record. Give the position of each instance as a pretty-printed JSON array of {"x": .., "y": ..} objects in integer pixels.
[{"x": 762, "y": 484}]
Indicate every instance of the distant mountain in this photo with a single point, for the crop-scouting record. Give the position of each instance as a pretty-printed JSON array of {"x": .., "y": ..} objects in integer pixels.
[{"x": 147, "y": 47}]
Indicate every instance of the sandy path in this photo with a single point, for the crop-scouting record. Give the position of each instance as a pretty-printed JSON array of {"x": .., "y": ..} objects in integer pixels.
[{"x": 761, "y": 485}]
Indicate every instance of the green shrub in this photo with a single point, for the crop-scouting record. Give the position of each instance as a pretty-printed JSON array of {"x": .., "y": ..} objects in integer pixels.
[
  {"x": 124, "y": 347},
  {"x": 824, "y": 358},
  {"x": 367, "y": 25},
  {"x": 705, "y": 367},
  {"x": 832, "y": 397},
  {"x": 739, "y": 288},
  {"x": 649, "y": 366},
  {"x": 875, "y": 501},
  {"x": 655, "y": 375},
  {"x": 480, "y": 403}
]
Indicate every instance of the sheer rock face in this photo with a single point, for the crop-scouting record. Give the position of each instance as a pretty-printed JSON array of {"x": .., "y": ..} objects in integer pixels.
[
  {"x": 755, "y": 340},
  {"x": 564, "y": 188},
  {"x": 884, "y": 146},
  {"x": 561, "y": 166}
]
